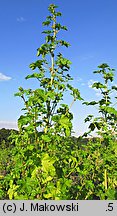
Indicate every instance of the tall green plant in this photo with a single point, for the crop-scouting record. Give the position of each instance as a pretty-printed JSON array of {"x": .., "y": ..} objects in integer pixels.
[
  {"x": 106, "y": 123},
  {"x": 42, "y": 105},
  {"x": 46, "y": 163},
  {"x": 105, "y": 126},
  {"x": 40, "y": 155}
]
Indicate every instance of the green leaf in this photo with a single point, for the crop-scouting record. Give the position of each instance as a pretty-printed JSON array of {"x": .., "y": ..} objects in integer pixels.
[
  {"x": 30, "y": 147},
  {"x": 98, "y": 85},
  {"x": 114, "y": 87},
  {"x": 46, "y": 138},
  {"x": 65, "y": 123},
  {"x": 88, "y": 118},
  {"x": 111, "y": 194},
  {"x": 103, "y": 66},
  {"x": 90, "y": 103},
  {"x": 47, "y": 32},
  {"x": 43, "y": 50},
  {"x": 21, "y": 89},
  {"x": 40, "y": 94},
  {"x": 19, "y": 94},
  {"x": 35, "y": 75},
  {"x": 12, "y": 189},
  {"x": 109, "y": 76},
  {"x": 23, "y": 120},
  {"x": 48, "y": 178},
  {"x": 37, "y": 64},
  {"x": 52, "y": 8},
  {"x": 48, "y": 196},
  {"x": 58, "y": 14},
  {"x": 110, "y": 110},
  {"x": 47, "y": 164},
  {"x": 33, "y": 66},
  {"x": 49, "y": 38},
  {"x": 64, "y": 28},
  {"x": 46, "y": 23},
  {"x": 64, "y": 43},
  {"x": 92, "y": 126}
]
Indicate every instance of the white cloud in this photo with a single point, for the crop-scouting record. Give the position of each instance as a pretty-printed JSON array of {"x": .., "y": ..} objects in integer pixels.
[
  {"x": 4, "y": 77},
  {"x": 79, "y": 79},
  {"x": 98, "y": 92},
  {"x": 83, "y": 84},
  {"x": 114, "y": 84},
  {"x": 90, "y": 83},
  {"x": 8, "y": 125},
  {"x": 86, "y": 57},
  {"x": 21, "y": 19}
]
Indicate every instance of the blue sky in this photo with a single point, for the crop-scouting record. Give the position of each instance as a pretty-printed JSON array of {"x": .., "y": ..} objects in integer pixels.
[{"x": 92, "y": 33}]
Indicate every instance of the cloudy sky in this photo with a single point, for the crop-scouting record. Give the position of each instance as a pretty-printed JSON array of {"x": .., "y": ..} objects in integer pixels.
[{"x": 92, "y": 33}]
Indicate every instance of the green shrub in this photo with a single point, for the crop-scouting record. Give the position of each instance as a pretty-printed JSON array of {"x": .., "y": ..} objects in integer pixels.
[{"x": 46, "y": 162}]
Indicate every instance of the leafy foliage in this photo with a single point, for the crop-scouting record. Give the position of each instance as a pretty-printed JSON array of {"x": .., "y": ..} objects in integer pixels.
[
  {"x": 45, "y": 161},
  {"x": 106, "y": 123}
]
